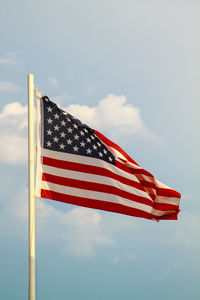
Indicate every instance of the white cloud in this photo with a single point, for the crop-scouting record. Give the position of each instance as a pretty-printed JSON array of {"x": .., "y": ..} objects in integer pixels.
[
  {"x": 84, "y": 232},
  {"x": 13, "y": 136},
  {"x": 7, "y": 62},
  {"x": 114, "y": 116},
  {"x": 78, "y": 231},
  {"x": 90, "y": 89},
  {"x": 62, "y": 98},
  {"x": 53, "y": 81},
  {"x": 7, "y": 86},
  {"x": 13, "y": 109},
  {"x": 115, "y": 260},
  {"x": 132, "y": 256},
  {"x": 10, "y": 61},
  {"x": 13, "y": 149}
]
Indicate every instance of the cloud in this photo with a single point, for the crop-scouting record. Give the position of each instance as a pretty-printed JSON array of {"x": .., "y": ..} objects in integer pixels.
[
  {"x": 7, "y": 86},
  {"x": 115, "y": 260},
  {"x": 13, "y": 149},
  {"x": 53, "y": 81},
  {"x": 7, "y": 62},
  {"x": 12, "y": 109},
  {"x": 13, "y": 136},
  {"x": 84, "y": 232},
  {"x": 114, "y": 116},
  {"x": 62, "y": 98},
  {"x": 80, "y": 229},
  {"x": 132, "y": 256},
  {"x": 79, "y": 232},
  {"x": 10, "y": 61}
]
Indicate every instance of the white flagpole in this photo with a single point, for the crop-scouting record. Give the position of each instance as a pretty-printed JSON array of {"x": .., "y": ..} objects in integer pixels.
[{"x": 31, "y": 187}]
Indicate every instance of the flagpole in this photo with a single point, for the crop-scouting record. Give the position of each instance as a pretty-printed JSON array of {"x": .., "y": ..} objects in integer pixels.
[{"x": 31, "y": 187}]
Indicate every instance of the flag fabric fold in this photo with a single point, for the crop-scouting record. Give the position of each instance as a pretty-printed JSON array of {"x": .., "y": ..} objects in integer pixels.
[{"x": 78, "y": 165}]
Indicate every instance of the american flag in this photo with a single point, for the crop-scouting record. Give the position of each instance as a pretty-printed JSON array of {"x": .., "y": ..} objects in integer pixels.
[{"x": 78, "y": 165}]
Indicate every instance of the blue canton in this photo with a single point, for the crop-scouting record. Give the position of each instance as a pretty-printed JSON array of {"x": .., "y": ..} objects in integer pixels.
[{"x": 64, "y": 133}]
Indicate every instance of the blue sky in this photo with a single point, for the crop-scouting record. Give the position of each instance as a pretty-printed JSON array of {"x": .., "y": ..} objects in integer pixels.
[{"x": 141, "y": 59}]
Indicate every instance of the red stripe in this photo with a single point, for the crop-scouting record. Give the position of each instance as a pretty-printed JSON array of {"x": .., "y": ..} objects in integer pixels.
[
  {"x": 122, "y": 165},
  {"x": 165, "y": 206},
  {"x": 66, "y": 165},
  {"x": 160, "y": 191},
  {"x": 168, "y": 193},
  {"x": 97, "y": 187},
  {"x": 113, "y": 145},
  {"x": 102, "y": 205},
  {"x": 173, "y": 216}
]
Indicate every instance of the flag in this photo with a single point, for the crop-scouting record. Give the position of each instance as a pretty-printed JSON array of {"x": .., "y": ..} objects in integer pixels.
[{"x": 78, "y": 165}]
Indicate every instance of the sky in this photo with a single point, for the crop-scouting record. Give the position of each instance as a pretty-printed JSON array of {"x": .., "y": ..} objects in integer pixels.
[{"x": 129, "y": 69}]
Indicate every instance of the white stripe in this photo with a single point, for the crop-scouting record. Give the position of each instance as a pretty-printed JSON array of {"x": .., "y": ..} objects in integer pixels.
[
  {"x": 91, "y": 161},
  {"x": 167, "y": 200},
  {"x": 99, "y": 196},
  {"x": 161, "y": 185},
  {"x": 95, "y": 179}
]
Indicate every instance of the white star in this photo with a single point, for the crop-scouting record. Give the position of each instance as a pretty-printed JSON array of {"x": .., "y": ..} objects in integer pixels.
[
  {"x": 46, "y": 99},
  {"x": 85, "y": 130},
  {"x": 69, "y": 130},
  {"x": 94, "y": 147},
  {"x": 49, "y": 132},
  {"x": 105, "y": 151},
  {"x": 88, "y": 140},
  {"x": 56, "y": 127},
  {"x": 63, "y": 123},
  {"x": 49, "y": 120},
  {"x": 75, "y": 148},
  {"x": 55, "y": 139},
  {"x": 68, "y": 119},
  {"x": 81, "y": 132},
  {"x": 75, "y": 126},
  {"x": 100, "y": 154},
  {"x": 98, "y": 144},
  {"x": 62, "y": 146},
  {"x": 63, "y": 134},
  {"x": 89, "y": 151},
  {"x": 49, "y": 109},
  {"x": 92, "y": 137},
  {"x": 69, "y": 142},
  {"x": 76, "y": 136},
  {"x": 82, "y": 144},
  {"x": 110, "y": 158},
  {"x": 56, "y": 116},
  {"x": 49, "y": 144}
]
